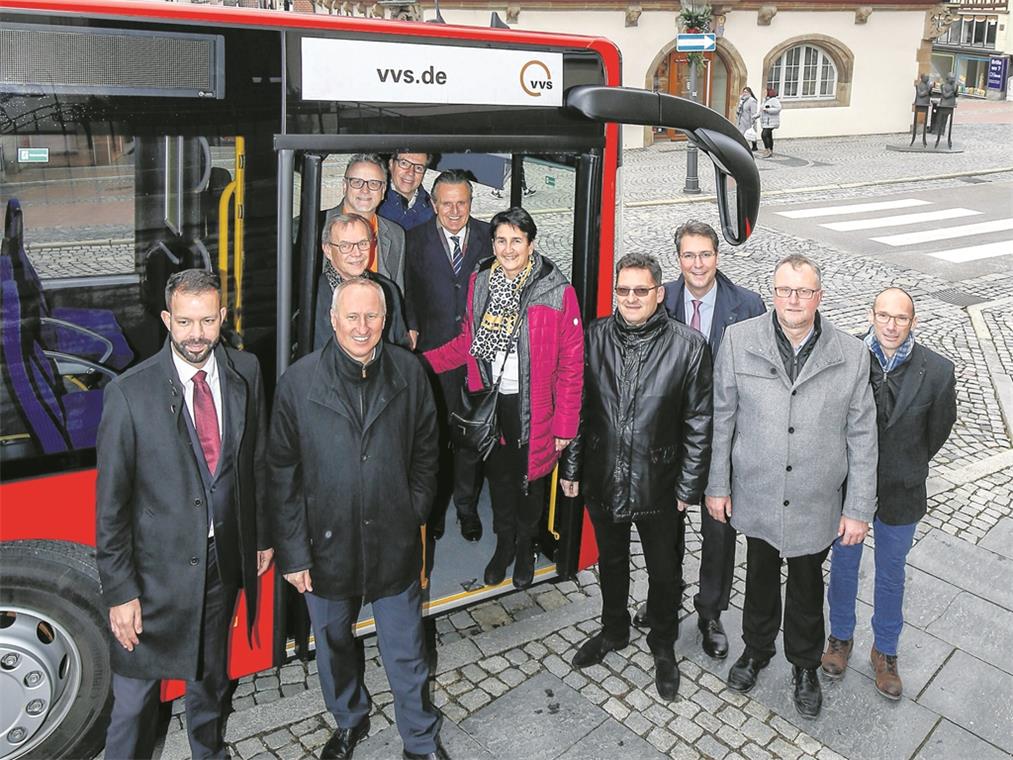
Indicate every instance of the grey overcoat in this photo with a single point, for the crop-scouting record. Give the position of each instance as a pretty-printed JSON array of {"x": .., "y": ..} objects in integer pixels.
[{"x": 792, "y": 456}]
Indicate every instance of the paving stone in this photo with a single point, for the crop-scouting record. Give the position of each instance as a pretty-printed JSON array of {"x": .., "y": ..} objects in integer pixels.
[
  {"x": 661, "y": 738},
  {"x": 759, "y": 732},
  {"x": 685, "y": 729},
  {"x": 782, "y": 749},
  {"x": 304, "y": 727},
  {"x": 277, "y": 739},
  {"x": 731, "y": 737},
  {"x": 975, "y": 625},
  {"x": 250, "y": 747},
  {"x": 967, "y": 566},
  {"x": 710, "y": 747},
  {"x": 637, "y": 723},
  {"x": 291, "y": 752},
  {"x": 1000, "y": 538},
  {"x": 949, "y": 741},
  {"x": 554, "y": 716},
  {"x": 956, "y": 693}
]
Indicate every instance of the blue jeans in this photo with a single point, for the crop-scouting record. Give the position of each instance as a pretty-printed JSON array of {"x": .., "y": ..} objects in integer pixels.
[{"x": 893, "y": 542}]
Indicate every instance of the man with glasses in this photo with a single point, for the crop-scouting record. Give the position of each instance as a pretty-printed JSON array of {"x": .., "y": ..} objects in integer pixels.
[
  {"x": 794, "y": 467},
  {"x": 347, "y": 240},
  {"x": 642, "y": 451},
  {"x": 441, "y": 255},
  {"x": 916, "y": 407},
  {"x": 364, "y": 183},
  {"x": 407, "y": 203},
  {"x": 706, "y": 300}
]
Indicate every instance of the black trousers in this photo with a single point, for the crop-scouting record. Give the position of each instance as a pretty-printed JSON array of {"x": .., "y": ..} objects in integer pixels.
[
  {"x": 134, "y": 719},
  {"x": 717, "y": 566},
  {"x": 804, "y": 626},
  {"x": 460, "y": 470},
  {"x": 664, "y": 576},
  {"x": 516, "y": 504},
  {"x": 767, "y": 135}
]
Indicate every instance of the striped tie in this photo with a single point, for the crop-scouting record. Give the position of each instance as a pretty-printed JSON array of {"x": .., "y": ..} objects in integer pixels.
[{"x": 457, "y": 257}]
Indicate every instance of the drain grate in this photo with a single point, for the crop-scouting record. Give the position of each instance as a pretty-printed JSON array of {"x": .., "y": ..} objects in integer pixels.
[{"x": 957, "y": 297}]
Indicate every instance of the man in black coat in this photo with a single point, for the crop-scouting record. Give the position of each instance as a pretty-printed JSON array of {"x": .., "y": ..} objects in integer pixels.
[
  {"x": 179, "y": 518},
  {"x": 440, "y": 257},
  {"x": 352, "y": 460},
  {"x": 916, "y": 407},
  {"x": 346, "y": 240},
  {"x": 705, "y": 299},
  {"x": 644, "y": 451}
]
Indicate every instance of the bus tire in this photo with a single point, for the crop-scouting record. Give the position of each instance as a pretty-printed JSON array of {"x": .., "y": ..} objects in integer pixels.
[{"x": 55, "y": 679}]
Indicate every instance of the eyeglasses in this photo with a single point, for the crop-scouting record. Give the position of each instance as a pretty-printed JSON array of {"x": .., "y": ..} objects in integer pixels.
[
  {"x": 702, "y": 256},
  {"x": 404, "y": 163},
  {"x": 639, "y": 292},
  {"x": 803, "y": 293},
  {"x": 901, "y": 320},
  {"x": 356, "y": 183},
  {"x": 346, "y": 246}
]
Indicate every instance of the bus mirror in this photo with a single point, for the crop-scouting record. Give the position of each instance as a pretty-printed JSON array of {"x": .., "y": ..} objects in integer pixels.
[{"x": 714, "y": 135}]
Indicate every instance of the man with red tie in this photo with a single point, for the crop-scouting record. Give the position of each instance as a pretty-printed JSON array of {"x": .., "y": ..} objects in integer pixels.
[
  {"x": 179, "y": 520},
  {"x": 706, "y": 300}
]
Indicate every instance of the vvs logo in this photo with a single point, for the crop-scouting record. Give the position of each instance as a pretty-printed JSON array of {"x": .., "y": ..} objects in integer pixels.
[{"x": 535, "y": 78}]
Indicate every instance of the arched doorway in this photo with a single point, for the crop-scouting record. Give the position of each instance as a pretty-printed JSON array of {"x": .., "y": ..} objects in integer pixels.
[{"x": 722, "y": 75}]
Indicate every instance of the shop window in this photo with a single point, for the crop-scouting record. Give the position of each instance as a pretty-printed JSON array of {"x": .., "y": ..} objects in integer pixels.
[{"x": 804, "y": 72}]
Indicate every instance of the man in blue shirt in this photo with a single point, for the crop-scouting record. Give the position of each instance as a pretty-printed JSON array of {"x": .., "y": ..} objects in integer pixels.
[{"x": 407, "y": 203}]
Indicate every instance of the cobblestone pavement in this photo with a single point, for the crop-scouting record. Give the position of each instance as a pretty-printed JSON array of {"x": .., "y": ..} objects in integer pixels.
[{"x": 959, "y": 627}]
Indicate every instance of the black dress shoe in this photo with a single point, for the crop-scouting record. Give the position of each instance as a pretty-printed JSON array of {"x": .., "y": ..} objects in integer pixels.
[
  {"x": 666, "y": 676},
  {"x": 742, "y": 676},
  {"x": 640, "y": 618},
  {"x": 471, "y": 527},
  {"x": 341, "y": 745},
  {"x": 715, "y": 642},
  {"x": 524, "y": 564},
  {"x": 808, "y": 693},
  {"x": 593, "y": 650},
  {"x": 495, "y": 571},
  {"x": 439, "y": 754}
]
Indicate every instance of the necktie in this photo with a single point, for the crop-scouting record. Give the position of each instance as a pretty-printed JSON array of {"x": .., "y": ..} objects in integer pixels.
[
  {"x": 695, "y": 321},
  {"x": 205, "y": 419},
  {"x": 456, "y": 258}
]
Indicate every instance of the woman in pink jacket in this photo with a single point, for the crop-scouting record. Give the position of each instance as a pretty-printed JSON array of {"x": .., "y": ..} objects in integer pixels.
[{"x": 541, "y": 376}]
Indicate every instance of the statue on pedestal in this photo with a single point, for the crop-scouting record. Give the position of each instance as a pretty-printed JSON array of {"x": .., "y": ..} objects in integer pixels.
[
  {"x": 944, "y": 109},
  {"x": 923, "y": 99}
]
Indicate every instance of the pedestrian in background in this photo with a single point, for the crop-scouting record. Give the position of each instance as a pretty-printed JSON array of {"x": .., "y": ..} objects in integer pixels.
[
  {"x": 745, "y": 116},
  {"x": 916, "y": 407},
  {"x": 770, "y": 119}
]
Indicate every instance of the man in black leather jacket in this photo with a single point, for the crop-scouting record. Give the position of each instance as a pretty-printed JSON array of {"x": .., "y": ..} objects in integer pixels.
[{"x": 644, "y": 450}]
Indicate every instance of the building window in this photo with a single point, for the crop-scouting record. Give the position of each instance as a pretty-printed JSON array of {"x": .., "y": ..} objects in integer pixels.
[
  {"x": 804, "y": 72},
  {"x": 972, "y": 31}
]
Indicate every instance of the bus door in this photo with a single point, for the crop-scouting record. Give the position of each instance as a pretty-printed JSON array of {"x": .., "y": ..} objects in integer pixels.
[{"x": 563, "y": 182}]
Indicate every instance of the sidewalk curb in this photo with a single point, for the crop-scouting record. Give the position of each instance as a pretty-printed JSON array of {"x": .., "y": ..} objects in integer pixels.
[
  {"x": 821, "y": 188},
  {"x": 1002, "y": 383}
]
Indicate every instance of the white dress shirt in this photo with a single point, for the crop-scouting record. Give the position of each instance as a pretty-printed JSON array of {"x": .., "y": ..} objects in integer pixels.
[
  {"x": 186, "y": 373},
  {"x": 707, "y": 302}
]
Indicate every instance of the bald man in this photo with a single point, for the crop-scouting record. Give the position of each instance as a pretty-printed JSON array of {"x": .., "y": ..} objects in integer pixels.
[{"x": 916, "y": 407}]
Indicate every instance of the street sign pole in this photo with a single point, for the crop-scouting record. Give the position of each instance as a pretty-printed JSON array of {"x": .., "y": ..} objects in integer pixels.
[{"x": 692, "y": 180}]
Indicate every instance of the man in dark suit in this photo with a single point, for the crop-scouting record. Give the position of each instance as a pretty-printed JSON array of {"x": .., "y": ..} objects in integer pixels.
[
  {"x": 407, "y": 203},
  {"x": 441, "y": 255},
  {"x": 179, "y": 518},
  {"x": 916, "y": 407},
  {"x": 352, "y": 462},
  {"x": 346, "y": 240},
  {"x": 706, "y": 300},
  {"x": 365, "y": 181}
]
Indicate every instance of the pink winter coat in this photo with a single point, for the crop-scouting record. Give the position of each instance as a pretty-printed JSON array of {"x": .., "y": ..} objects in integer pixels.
[{"x": 550, "y": 359}]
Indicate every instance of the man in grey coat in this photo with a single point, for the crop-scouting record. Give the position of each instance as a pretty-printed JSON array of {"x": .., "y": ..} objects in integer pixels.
[{"x": 793, "y": 467}]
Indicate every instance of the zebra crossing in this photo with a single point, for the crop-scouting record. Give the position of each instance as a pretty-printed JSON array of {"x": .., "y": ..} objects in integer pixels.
[{"x": 955, "y": 233}]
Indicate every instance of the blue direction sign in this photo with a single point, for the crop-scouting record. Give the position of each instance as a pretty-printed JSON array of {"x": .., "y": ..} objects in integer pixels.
[{"x": 696, "y": 43}]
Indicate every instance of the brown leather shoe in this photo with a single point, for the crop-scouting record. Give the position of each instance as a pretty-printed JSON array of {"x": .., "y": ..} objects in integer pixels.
[
  {"x": 835, "y": 660},
  {"x": 887, "y": 679}
]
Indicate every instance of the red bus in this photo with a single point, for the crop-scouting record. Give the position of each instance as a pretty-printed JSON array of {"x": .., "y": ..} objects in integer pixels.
[{"x": 138, "y": 139}]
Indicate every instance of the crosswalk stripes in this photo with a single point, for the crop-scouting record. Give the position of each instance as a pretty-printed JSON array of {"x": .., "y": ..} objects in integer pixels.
[{"x": 932, "y": 225}]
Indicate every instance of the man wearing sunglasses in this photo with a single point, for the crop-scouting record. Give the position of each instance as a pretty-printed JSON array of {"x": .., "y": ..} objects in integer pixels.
[
  {"x": 794, "y": 467},
  {"x": 364, "y": 182},
  {"x": 706, "y": 300},
  {"x": 407, "y": 203},
  {"x": 916, "y": 407},
  {"x": 642, "y": 451},
  {"x": 347, "y": 240}
]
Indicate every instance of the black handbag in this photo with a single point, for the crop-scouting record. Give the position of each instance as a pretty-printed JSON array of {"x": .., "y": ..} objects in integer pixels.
[{"x": 475, "y": 426}]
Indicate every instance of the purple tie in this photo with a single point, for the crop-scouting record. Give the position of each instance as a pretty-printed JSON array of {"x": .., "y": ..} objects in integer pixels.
[
  {"x": 695, "y": 321},
  {"x": 205, "y": 419}
]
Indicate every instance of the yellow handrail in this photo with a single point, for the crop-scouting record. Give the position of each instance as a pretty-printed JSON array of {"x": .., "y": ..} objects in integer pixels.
[
  {"x": 238, "y": 250},
  {"x": 552, "y": 502},
  {"x": 223, "y": 239}
]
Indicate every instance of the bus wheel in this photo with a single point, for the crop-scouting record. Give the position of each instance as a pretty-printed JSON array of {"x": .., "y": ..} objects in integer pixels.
[{"x": 54, "y": 657}]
